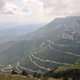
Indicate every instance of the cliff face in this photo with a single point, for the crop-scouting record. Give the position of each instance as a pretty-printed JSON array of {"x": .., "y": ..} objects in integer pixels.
[{"x": 72, "y": 31}]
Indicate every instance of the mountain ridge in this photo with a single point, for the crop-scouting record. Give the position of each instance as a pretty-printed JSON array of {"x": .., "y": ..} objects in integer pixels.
[{"x": 61, "y": 48}]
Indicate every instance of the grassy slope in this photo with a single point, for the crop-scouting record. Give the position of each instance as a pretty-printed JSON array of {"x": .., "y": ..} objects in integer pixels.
[
  {"x": 75, "y": 66},
  {"x": 53, "y": 54},
  {"x": 14, "y": 77},
  {"x": 20, "y": 77}
]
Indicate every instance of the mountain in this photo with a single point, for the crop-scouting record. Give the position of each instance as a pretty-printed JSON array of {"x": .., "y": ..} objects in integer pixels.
[
  {"x": 15, "y": 30},
  {"x": 51, "y": 46},
  {"x": 19, "y": 30}
]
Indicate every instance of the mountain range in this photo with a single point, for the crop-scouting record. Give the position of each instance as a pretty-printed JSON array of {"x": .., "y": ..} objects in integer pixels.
[
  {"x": 15, "y": 30},
  {"x": 51, "y": 46}
]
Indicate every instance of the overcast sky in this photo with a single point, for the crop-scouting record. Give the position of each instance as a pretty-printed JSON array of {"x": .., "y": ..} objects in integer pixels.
[{"x": 37, "y": 11}]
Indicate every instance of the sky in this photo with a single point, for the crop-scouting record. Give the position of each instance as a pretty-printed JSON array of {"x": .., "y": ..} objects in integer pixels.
[{"x": 37, "y": 11}]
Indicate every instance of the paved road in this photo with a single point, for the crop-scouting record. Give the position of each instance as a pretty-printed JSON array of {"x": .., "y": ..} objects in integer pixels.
[
  {"x": 49, "y": 61},
  {"x": 30, "y": 70},
  {"x": 42, "y": 67},
  {"x": 62, "y": 51},
  {"x": 60, "y": 45},
  {"x": 18, "y": 70}
]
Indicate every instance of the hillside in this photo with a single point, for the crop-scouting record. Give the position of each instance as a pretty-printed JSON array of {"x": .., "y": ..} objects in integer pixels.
[
  {"x": 62, "y": 73},
  {"x": 65, "y": 68},
  {"x": 54, "y": 45},
  {"x": 66, "y": 72}
]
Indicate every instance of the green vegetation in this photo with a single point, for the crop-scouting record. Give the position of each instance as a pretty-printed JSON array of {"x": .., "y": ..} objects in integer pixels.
[
  {"x": 66, "y": 72},
  {"x": 24, "y": 73},
  {"x": 56, "y": 74},
  {"x": 75, "y": 66},
  {"x": 14, "y": 72},
  {"x": 14, "y": 77}
]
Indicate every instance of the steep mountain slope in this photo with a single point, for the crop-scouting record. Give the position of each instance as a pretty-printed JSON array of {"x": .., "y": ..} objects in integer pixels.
[
  {"x": 67, "y": 72},
  {"x": 54, "y": 28},
  {"x": 75, "y": 66},
  {"x": 54, "y": 45}
]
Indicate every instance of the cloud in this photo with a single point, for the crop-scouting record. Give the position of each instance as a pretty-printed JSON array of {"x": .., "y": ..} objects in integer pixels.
[
  {"x": 19, "y": 7},
  {"x": 2, "y": 3},
  {"x": 31, "y": 6},
  {"x": 38, "y": 10},
  {"x": 8, "y": 7},
  {"x": 61, "y": 7},
  {"x": 49, "y": 7}
]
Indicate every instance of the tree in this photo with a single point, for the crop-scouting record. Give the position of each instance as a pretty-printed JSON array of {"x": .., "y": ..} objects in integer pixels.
[
  {"x": 73, "y": 79},
  {"x": 24, "y": 73},
  {"x": 36, "y": 75},
  {"x": 65, "y": 78},
  {"x": 14, "y": 72}
]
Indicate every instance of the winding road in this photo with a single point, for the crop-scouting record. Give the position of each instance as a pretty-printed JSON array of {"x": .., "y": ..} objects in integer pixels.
[
  {"x": 42, "y": 67},
  {"x": 62, "y": 51},
  {"x": 60, "y": 45},
  {"x": 33, "y": 55},
  {"x": 49, "y": 61},
  {"x": 30, "y": 70},
  {"x": 18, "y": 70}
]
